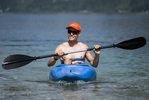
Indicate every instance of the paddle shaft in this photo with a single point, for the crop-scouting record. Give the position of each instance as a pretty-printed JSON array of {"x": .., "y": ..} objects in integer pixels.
[{"x": 89, "y": 49}]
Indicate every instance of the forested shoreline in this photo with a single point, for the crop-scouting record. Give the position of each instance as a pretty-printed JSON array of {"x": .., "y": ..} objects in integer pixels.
[{"x": 68, "y": 6}]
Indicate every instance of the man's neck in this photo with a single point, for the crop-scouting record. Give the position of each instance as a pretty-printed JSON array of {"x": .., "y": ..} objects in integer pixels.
[{"x": 72, "y": 43}]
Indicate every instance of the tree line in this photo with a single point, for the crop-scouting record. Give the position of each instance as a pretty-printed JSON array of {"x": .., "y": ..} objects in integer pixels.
[{"x": 85, "y": 6}]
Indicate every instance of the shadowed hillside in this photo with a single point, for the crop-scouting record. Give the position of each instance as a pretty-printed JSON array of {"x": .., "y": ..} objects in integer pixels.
[{"x": 85, "y": 6}]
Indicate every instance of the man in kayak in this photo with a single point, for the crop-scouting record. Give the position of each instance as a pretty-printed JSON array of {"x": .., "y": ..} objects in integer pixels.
[{"x": 74, "y": 31}]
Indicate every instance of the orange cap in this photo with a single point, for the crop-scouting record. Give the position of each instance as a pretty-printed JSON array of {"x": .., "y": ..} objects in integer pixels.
[{"x": 74, "y": 25}]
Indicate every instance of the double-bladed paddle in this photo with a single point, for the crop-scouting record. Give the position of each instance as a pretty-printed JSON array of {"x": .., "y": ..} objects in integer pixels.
[{"x": 18, "y": 60}]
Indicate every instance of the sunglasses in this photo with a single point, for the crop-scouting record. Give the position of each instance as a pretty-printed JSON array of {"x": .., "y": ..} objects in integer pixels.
[{"x": 74, "y": 32}]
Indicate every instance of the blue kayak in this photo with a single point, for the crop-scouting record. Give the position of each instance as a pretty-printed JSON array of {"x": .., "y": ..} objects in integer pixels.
[{"x": 71, "y": 73}]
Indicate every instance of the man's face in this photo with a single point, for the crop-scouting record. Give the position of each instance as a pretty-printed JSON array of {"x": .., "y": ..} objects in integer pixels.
[{"x": 73, "y": 34}]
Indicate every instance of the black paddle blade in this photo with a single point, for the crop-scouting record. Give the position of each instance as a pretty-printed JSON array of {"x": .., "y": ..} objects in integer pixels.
[
  {"x": 15, "y": 61},
  {"x": 132, "y": 43}
]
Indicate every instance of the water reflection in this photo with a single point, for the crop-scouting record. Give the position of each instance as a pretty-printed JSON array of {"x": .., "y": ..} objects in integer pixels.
[{"x": 78, "y": 90}]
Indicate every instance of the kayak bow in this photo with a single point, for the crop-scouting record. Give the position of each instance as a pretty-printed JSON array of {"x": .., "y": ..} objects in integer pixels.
[{"x": 72, "y": 73}]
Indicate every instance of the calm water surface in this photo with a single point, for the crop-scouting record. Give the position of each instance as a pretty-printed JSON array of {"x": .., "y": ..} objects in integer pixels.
[{"x": 121, "y": 74}]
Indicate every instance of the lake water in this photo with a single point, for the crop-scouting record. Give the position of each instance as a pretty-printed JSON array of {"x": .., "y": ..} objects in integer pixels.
[{"x": 121, "y": 74}]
